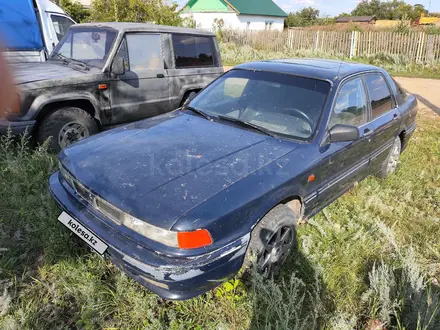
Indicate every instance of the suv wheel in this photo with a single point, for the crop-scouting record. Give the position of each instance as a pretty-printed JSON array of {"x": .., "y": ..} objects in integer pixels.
[
  {"x": 390, "y": 164},
  {"x": 272, "y": 240},
  {"x": 66, "y": 126}
]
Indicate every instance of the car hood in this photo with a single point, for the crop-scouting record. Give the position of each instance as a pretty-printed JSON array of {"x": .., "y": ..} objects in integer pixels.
[
  {"x": 159, "y": 169},
  {"x": 32, "y": 72}
]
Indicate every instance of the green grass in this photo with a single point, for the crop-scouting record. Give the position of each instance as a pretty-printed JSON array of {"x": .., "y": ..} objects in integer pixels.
[
  {"x": 372, "y": 256},
  {"x": 394, "y": 64}
]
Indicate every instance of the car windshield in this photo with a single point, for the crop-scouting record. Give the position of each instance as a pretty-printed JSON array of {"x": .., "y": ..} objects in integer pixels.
[
  {"x": 89, "y": 46},
  {"x": 283, "y": 104}
]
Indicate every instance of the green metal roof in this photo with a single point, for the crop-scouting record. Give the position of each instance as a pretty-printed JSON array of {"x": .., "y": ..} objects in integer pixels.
[
  {"x": 244, "y": 7},
  {"x": 257, "y": 7}
]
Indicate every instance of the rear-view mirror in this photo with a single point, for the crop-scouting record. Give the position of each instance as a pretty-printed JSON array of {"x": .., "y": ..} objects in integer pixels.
[
  {"x": 118, "y": 66},
  {"x": 343, "y": 133}
]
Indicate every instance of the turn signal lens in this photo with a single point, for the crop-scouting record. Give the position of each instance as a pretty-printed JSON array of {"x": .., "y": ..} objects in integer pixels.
[{"x": 194, "y": 239}]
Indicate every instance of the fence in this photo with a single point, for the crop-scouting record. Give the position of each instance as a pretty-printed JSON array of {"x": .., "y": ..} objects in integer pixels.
[{"x": 417, "y": 47}]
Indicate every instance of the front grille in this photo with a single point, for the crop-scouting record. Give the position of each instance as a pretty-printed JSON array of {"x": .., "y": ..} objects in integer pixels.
[{"x": 109, "y": 210}]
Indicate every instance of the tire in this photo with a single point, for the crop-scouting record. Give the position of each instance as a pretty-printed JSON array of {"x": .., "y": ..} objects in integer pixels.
[
  {"x": 187, "y": 96},
  {"x": 280, "y": 221},
  {"x": 66, "y": 126},
  {"x": 390, "y": 164}
]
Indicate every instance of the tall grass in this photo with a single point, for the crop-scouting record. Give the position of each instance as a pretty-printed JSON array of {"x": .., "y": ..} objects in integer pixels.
[{"x": 369, "y": 259}]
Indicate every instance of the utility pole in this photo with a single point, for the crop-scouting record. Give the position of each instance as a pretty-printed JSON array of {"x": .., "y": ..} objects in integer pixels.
[{"x": 429, "y": 6}]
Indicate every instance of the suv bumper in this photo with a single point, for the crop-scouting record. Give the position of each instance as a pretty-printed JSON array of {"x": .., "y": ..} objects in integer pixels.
[
  {"x": 16, "y": 127},
  {"x": 175, "y": 278}
]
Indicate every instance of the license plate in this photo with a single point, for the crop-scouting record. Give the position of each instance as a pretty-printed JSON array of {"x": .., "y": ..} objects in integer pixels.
[{"x": 83, "y": 233}]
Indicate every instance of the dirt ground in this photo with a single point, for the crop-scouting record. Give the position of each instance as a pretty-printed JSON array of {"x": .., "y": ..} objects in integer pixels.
[{"x": 427, "y": 92}]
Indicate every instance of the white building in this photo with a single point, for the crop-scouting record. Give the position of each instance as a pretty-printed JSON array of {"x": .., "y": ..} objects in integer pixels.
[
  {"x": 236, "y": 14},
  {"x": 85, "y": 3}
]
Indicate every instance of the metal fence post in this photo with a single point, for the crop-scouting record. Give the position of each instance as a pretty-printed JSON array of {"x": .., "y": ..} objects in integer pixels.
[
  {"x": 352, "y": 44},
  {"x": 317, "y": 41}
]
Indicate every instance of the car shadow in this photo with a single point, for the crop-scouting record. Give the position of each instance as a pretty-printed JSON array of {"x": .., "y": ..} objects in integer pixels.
[{"x": 428, "y": 104}]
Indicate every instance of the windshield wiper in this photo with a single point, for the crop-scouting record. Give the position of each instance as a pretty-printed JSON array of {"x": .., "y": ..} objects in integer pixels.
[
  {"x": 63, "y": 58},
  {"x": 67, "y": 60},
  {"x": 197, "y": 111},
  {"x": 248, "y": 124}
]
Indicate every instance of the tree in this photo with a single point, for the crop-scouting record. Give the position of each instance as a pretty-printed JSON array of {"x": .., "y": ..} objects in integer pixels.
[
  {"x": 74, "y": 9},
  {"x": 304, "y": 17},
  {"x": 393, "y": 10},
  {"x": 153, "y": 11}
]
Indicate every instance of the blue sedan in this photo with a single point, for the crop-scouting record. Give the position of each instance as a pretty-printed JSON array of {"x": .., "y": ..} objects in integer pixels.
[{"x": 181, "y": 201}]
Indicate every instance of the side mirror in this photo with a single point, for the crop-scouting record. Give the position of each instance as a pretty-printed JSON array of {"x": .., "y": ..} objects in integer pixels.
[
  {"x": 118, "y": 66},
  {"x": 190, "y": 97},
  {"x": 343, "y": 133}
]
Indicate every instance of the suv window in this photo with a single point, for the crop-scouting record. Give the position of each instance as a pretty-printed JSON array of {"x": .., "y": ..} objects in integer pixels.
[
  {"x": 351, "y": 105},
  {"x": 61, "y": 24},
  {"x": 192, "y": 51},
  {"x": 380, "y": 95},
  {"x": 144, "y": 52}
]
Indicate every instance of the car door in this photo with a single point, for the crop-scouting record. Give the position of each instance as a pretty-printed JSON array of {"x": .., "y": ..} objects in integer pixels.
[
  {"x": 385, "y": 118},
  {"x": 143, "y": 90},
  {"x": 345, "y": 163}
]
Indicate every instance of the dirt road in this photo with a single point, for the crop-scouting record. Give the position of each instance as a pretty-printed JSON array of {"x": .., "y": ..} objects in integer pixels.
[{"x": 427, "y": 92}]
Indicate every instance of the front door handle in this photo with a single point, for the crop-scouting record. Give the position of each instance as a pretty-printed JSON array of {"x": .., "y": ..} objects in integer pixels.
[
  {"x": 160, "y": 75},
  {"x": 368, "y": 132},
  {"x": 396, "y": 116}
]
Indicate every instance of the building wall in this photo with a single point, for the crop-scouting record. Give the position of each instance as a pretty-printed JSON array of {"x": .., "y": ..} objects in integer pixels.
[
  {"x": 85, "y": 3},
  {"x": 233, "y": 21}
]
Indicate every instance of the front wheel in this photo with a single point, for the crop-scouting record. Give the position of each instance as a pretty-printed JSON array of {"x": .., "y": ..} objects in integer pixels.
[
  {"x": 390, "y": 164},
  {"x": 66, "y": 126},
  {"x": 272, "y": 240}
]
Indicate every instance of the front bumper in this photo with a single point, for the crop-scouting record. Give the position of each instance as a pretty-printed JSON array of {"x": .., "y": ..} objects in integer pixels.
[
  {"x": 175, "y": 278},
  {"x": 16, "y": 127}
]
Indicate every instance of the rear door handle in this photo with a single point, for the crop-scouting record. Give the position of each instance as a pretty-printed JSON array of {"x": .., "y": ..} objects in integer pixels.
[
  {"x": 160, "y": 75},
  {"x": 396, "y": 116}
]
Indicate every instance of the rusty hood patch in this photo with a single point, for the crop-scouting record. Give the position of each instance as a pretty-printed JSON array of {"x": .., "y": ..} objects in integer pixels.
[{"x": 159, "y": 169}]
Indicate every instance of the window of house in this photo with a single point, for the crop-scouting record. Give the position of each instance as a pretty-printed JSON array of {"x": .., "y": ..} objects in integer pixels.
[
  {"x": 351, "y": 105},
  {"x": 380, "y": 96},
  {"x": 269, "y": 25},
  {"x": 145, "y": 52},
  {"x": 192, "y": 51},
  {"x": 248, "y": 25}
]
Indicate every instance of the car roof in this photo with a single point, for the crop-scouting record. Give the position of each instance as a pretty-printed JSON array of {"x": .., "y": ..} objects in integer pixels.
[
  {"x": 143, "y": 27},
  {"x": 332, "y": 70}
]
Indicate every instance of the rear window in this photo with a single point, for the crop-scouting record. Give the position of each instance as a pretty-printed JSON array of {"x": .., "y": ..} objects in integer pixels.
[{"x": 193, "y": 51}]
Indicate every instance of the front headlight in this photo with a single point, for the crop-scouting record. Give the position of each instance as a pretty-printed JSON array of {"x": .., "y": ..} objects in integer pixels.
[{"x": 183, "y": 240}]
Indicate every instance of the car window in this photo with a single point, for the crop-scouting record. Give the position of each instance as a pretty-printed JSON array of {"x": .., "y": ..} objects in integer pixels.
[
  {"x": 380, "y": 96},
  {"x": 400, "y": 92},
  {"x": 61, "y": 24},
  {"x": 192, "y": 51},
  {"x": 145, "y": 52},
  {"x": 351, "y": 105},
  {"x": 282, "y": 103},
  {"x": 123, "y": 53}
]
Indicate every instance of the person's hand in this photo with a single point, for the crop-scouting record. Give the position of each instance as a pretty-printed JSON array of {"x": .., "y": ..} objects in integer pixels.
[{"x": 9, "y": 99}]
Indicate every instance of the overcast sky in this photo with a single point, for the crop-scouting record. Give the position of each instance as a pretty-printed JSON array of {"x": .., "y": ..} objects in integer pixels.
[{"x": 335, "y": 7}]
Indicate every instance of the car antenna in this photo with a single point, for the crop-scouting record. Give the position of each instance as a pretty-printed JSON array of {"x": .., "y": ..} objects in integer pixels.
[{"x": 339, "y": 70}]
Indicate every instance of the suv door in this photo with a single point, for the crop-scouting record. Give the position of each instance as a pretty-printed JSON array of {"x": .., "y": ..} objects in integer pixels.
[
  {"x": 385, "y": 118},
  {"x": 194, "y": 65},
  {"x": 143, "y": 90},
  {"x": 345, "y": 163}
]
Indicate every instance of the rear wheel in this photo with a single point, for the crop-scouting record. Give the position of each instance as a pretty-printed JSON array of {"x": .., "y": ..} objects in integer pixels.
[
  {"x": 66, "y": 126},
  {"x": 272, "y": 240},
  {"x": 390, "y": 164}
]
